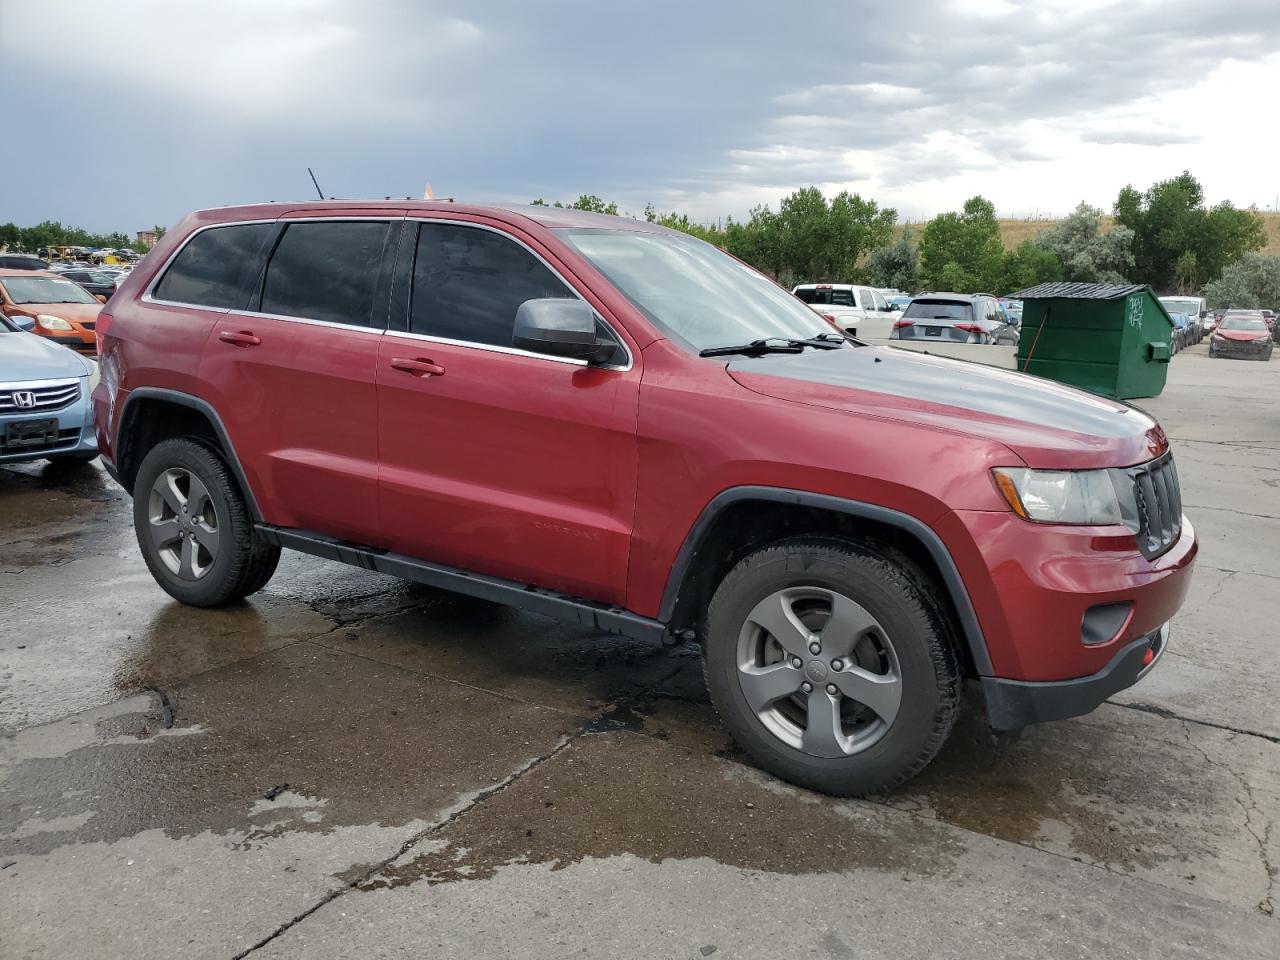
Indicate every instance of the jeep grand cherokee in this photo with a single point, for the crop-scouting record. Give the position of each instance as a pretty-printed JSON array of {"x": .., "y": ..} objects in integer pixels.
[{"x": 603, "y": 420}]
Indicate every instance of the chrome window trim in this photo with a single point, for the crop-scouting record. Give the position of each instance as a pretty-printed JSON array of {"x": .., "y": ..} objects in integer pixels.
[
  {"x": 148, "y": 294},
  {"x": 516, "y": 351}
]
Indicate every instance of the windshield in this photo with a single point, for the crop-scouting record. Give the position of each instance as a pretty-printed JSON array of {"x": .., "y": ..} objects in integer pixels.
[
  {"x": 1181, "y": 304},
  {"x": 692, "y": 291},
  {"x": 939, "y": 310},
  {"x": 44, "y": 290},
  {"x": 1256, "y": 324}
]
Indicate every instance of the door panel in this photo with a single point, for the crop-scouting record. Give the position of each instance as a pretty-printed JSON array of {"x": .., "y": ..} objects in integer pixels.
[
  {"x": 510, "y": 465},
  {"x": 300, "y": 407}
]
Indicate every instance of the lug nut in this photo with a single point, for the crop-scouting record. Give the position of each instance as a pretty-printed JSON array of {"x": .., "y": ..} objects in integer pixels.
[
  {"x": 815, "y": 648},
  {"x": 795, "y": 662},
  {"x": 837, "y": 665},
  {"x": 807, "y": 687},
  {"x": 832, "y": 689}
]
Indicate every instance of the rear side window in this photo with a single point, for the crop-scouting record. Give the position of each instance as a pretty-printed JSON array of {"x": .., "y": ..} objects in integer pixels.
[
  {"x": 326, "y": 271},
  {"x": 217, "y": 267},
  {"x": 938, "y": 310},
  {"x": 823, "y": 296},
  {"x": 468, "y": 284}
]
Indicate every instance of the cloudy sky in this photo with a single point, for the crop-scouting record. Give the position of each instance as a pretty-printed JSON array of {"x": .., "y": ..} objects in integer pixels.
[{"x": 121, "y": 115}]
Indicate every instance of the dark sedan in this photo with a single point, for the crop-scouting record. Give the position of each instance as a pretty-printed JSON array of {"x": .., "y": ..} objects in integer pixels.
[{"x": 95, "y": 281}]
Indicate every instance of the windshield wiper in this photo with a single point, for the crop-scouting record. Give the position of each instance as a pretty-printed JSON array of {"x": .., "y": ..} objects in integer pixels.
[{"x": 776, "y": 345}]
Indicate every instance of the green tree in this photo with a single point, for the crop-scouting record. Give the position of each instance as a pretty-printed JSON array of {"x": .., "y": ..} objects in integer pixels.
[
  {"x": 962, "y": 251},
  {"x": 1178, "y": 244},
  {"x": 1252, "y": 282},
  {"x": 895, "y": 264},
  {"x": 1026, "y": 266},
  {"x": 1086, "y": 254}
]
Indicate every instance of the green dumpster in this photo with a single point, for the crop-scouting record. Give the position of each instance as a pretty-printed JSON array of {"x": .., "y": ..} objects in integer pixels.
[{"x": 1108, "y": 338}]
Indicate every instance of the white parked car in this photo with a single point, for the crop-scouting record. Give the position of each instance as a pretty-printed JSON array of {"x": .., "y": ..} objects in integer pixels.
[{"x": 858, "y": 310}]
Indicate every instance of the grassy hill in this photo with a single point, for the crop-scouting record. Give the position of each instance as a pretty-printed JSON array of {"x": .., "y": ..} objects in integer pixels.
[{"x": 1013, "y": 232}]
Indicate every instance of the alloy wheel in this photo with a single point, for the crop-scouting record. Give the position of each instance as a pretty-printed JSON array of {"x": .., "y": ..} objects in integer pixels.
[
  {"x": 183, "y": 523},
  {"x": 819, "y": 671}
]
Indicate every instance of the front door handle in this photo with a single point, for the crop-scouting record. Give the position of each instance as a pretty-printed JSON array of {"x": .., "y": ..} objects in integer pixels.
[
  {"x": 419, "y": 367},
  {"x": 239, "y": 338}
]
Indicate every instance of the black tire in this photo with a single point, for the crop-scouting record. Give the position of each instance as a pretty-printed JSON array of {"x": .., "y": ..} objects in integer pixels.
[
  {"x": 894, "y": 593},
  {"x": 244, "y": 561}
]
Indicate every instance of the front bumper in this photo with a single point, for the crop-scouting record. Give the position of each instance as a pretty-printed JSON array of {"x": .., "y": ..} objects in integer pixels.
[
  {"x": 1014, "y": 704},
  {"x": 1242, "y": 349},
  {"x": 76, "y": 437}
]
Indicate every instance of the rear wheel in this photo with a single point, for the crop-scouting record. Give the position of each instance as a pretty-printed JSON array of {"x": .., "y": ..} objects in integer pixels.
[
  {"x": 194, "y": 527},
  {"x": 830, "y": 666}
]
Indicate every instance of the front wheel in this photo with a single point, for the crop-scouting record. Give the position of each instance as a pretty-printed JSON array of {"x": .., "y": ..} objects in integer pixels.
[
  {"x": 194, "y": 527},
  {"x": 830, "y": 666}
]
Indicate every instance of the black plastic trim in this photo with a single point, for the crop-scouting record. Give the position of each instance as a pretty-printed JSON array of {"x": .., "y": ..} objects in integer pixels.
[
  {"x": 869, "y": 511},
  {"x": 1013, "y": 704},
  {"x": 509, "y": 592},
  {"x": 204, "y": 407}
]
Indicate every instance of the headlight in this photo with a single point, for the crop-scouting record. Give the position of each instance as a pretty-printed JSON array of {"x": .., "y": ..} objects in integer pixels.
[
  {"x": 52, "y": 323},
  {"x": 1061, "y": 496},
  {"x": 95, "y": 375}
]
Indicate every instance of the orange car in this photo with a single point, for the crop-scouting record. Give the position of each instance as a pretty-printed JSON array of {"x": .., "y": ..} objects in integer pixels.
[{"x": 63, "y": 311}]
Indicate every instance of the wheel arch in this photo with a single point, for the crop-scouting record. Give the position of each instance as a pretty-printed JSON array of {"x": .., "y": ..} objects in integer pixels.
[
  {"x": 153, "y": 414},
  {"x": 742, "y": 519}
]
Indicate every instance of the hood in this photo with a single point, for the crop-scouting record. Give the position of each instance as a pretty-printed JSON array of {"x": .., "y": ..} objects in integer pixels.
[
  {"x": 1044, "y": 423},
  {"x": 1243, "y": 334},
  {"x": 25, "y": 356}
]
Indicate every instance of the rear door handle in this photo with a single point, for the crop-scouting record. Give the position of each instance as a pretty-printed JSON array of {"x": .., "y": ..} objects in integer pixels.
[
  {"x": 419, "y": 367},
  {"x": 239, "y": 338}
]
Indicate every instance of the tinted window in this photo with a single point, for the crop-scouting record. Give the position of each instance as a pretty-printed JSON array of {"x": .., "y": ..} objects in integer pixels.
[
  {"x": 839, "y": 298},
  {"x": 326, "y": 271},
  {"x": 468, "y": 283},
  {"x": 217, "y": 268}
]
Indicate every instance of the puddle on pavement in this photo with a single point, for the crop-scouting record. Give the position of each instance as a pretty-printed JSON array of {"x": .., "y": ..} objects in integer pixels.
[
  {"x": 621, "y": 793},
  {"x": 363, "y": 743}
]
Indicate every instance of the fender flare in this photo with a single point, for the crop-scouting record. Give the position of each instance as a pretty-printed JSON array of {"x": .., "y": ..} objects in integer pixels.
[
  {"x": 206, "y": 409},
  {"x": 954, "y": 583}
]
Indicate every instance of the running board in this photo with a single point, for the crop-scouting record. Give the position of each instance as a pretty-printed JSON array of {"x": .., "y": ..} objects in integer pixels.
[{"x": 509, "y": 592}]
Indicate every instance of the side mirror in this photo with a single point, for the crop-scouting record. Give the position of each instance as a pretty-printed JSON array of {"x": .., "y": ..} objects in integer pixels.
[
  {"x": 25, "y": 323},
  {"x": 559, "y": 327},
  {"x": 893, "y": 307}
]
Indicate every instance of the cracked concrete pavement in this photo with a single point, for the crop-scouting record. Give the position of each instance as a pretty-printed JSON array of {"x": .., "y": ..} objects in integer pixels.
[{"x": 353, "y": 764}]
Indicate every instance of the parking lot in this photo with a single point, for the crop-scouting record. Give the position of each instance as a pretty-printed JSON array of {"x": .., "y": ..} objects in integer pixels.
[{"x": 353, "y": 765}]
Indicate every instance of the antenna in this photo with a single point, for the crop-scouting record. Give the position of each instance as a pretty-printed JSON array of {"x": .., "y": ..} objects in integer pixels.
[{"x": 313, "y": 180}]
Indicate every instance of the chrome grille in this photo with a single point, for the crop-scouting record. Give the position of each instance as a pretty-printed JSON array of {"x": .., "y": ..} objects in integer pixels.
[
  {"x": 1159, "y": 501},
  {"x": 45, "y": 394}
]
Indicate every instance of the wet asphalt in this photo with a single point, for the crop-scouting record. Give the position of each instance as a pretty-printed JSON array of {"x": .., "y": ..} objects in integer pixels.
[{"x": 351, "y": 765}]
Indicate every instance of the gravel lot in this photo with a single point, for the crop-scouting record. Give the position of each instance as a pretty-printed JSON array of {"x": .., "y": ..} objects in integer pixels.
[{"x": 451, "y": 778}]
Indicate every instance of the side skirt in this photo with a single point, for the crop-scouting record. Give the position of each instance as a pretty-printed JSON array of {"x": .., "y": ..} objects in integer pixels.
[{"x": 509, "y": 592}]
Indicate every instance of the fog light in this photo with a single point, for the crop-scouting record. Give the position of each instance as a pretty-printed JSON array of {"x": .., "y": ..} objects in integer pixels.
[
  {"x": 1103, "y": 623},
  {"x": 1149, "y": 657}
]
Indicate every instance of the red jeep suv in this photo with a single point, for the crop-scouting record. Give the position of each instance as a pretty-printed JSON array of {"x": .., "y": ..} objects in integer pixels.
[{"x": 606, "y": 421}]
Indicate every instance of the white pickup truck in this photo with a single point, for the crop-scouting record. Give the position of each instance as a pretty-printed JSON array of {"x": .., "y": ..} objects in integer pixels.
[{"x": 859, "y": 311}]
